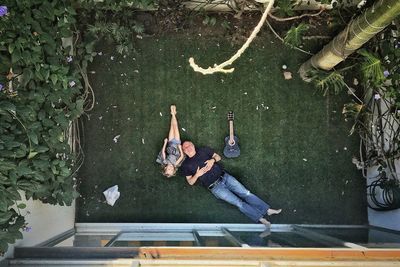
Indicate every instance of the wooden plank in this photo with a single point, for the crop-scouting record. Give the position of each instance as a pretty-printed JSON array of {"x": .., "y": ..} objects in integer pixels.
[
  {"x": 271, "y": 253},
  {"x": 216, "y": 253}
]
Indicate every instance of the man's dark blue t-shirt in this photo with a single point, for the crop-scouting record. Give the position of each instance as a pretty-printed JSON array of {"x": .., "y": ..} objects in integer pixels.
[{"x": 190, "y": 165}]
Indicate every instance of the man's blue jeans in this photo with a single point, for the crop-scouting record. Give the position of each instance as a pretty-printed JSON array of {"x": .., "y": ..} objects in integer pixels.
[{"x": 233, "y": 192}]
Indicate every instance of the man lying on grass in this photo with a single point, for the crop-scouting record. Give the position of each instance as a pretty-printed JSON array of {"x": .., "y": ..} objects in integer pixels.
[{"x": 201, "y": 165}]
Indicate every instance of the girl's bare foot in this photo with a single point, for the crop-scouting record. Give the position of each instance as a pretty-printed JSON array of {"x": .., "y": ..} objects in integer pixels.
[
  {"x": 173, "y": 110},
  {"x": 265, "y": 222},
  {"x": 272, "y": 211}
]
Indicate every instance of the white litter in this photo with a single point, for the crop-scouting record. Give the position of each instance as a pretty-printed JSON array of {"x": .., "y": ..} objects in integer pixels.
[
  {"x": 160, "y": 114},
  {"x": 304, "y": 159},
  {"x": 111, "y": 195},
  {"x": 143, "y": 141},
  {"x": 183, "y": 129},
  {"x": 116, "y": 138},
  {"x": 287, "y": 75}
]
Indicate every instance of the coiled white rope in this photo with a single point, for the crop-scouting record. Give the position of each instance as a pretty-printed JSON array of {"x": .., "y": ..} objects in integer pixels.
[{"x": 221, "y": 67}]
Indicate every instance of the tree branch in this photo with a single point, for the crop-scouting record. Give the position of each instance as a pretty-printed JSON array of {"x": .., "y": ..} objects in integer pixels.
[{"x": 297, "y": 17}]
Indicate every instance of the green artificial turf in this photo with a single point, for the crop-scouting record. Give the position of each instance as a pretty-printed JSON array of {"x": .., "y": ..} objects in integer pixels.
[{"x": 295, "y": 149}]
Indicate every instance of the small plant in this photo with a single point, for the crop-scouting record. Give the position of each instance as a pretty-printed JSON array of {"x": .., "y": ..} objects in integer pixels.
[
  {"x": 294, "y": 37},
  {"x": 226, "y": 25},
  {"x": 354, "y": 112},
  {"x": 209, "y": 20},
  {"x": 285, "y": 7}
]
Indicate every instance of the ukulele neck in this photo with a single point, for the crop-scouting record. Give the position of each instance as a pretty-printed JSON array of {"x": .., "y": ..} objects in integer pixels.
[{"x": 231, "y": 131}]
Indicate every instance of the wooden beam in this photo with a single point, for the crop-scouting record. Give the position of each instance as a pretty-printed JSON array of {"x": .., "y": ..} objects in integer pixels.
[{"x": 271, "y": 253}]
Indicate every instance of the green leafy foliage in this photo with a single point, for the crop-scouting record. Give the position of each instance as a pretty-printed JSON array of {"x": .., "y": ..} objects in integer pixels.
[
  {"x": 294, "y": 37},
  {"x": 328, "y": 81},
  {"x": 371, "y": 68},
  {"x": 117, "y": 6},
  {"x": 37, "y": 104},
  {"x": 354, "y": 111},
  {"x": 375, "y": 108},
  {"x": 10, "y": 232},
  {"x": 285, "y": 7},
  {"x": 112, "y": 23}
]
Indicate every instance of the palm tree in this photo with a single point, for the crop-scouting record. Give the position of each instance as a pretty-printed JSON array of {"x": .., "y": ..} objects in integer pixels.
[{"x": 358, "y": 32}]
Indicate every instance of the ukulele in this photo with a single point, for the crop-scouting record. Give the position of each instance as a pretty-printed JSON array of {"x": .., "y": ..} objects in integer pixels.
[{"x": 231, "y": 149}]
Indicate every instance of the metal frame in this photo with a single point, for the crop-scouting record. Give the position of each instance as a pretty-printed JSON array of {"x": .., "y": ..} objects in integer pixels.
[
  {"x": 384, "y": 230},
  {"x": 112, "y": 240},
  {"x": 234, "y": 240},
  {"x": 197, "y": 238},
  {"x": 57, "y": 239},
  {"x": 44, "y": 249},
  {"x": 324, "y": 239}
]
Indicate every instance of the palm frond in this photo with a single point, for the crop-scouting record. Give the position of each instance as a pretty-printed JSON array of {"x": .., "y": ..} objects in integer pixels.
[
  {"x": 371, "y": 67},
  {"x": 328, "y": 81},
  {"x": 294, "y": 36}
]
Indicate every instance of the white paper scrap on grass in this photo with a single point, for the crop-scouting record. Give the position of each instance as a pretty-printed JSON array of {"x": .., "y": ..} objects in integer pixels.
[{"x": 111, "y": 194}]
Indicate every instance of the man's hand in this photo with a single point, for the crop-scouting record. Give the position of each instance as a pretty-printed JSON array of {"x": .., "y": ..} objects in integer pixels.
[
  {"x": 165, "y": 140},
  {"x": 209, "y": 163},
  {"x": 201, "y": 172}
]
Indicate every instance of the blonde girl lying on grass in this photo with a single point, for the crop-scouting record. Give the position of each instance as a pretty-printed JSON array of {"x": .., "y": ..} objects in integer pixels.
[{"x": 171, "y": 155}]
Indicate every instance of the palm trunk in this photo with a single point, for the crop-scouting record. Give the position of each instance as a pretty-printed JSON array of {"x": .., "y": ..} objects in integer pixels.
[{"x": 358, "y": 32}]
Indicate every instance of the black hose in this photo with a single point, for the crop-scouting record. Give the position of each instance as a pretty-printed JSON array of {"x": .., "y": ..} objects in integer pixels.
[{"x": 389, "y": 193}]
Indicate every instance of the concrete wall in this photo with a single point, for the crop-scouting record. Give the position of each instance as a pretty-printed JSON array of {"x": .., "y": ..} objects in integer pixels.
[{"x": 46, "y": 221}]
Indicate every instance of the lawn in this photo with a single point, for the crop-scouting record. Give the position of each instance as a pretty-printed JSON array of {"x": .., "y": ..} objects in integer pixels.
[{"x": 296, "y": 152}]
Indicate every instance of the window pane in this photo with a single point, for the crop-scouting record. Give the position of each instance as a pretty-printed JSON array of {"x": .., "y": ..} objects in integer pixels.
[{"x": 276, "y": 239}]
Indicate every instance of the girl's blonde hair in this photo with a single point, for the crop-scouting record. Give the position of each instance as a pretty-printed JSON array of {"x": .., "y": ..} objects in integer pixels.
[{"x": 164, "y": 167}]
